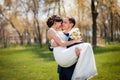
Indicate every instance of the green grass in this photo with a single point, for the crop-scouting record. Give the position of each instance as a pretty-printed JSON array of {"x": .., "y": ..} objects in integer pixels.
[
  {"x": 34, "y": 63},
  {"x": 108, "y": 62},
  {"x": 27, "y": 63}
]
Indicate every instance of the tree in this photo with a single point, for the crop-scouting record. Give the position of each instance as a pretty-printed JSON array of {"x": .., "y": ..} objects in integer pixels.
[
  {"x": 94, "y": 26},
  {"x": 57, "y": 6},
  {"x": 110, "y": 11},
  {"x": 34, "y": 6},
  {"x": 4, "y": 11}
]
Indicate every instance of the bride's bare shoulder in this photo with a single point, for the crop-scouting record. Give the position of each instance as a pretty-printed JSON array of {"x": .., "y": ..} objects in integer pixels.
[{"x": 51, "y": 30}]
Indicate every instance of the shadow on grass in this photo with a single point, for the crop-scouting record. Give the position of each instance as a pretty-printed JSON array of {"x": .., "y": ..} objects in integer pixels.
[
  {"x": 106, "y": 49},
  {"x": 47, "y": 55},
  {"x": 43, "y": 52}
]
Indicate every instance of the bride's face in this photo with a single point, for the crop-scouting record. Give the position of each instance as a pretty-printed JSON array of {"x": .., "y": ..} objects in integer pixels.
[{"x": 58, "y": 24}]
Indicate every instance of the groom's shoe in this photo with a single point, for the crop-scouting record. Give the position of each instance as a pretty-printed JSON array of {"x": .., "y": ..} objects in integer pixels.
[{"x": 49, "y": 47}]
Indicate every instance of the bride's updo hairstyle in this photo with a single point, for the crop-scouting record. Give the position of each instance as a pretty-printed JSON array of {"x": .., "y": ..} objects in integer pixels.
[{"x": 51, "y": 20}]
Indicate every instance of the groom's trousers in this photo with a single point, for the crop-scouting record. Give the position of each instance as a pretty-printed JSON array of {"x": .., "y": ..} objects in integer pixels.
[{"x": 65, "y": 73}]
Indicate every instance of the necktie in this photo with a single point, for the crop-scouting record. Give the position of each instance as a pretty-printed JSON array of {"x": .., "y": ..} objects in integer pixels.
[{"x": 67, "y": 34}]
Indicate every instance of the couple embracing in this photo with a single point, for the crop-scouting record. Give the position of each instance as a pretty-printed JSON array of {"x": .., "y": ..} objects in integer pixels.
[{"x": 75, "y": 58}]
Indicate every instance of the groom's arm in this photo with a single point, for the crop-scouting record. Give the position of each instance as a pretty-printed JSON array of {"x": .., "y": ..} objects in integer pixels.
[{"x": 74, "y": 43}]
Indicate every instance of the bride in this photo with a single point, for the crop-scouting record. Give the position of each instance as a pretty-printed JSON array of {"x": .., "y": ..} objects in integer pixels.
[{"x": 65, "y": 57}]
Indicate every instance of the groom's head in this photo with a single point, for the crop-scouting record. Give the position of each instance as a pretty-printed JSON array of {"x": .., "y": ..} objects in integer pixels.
[{"x": 68, "y": 23}]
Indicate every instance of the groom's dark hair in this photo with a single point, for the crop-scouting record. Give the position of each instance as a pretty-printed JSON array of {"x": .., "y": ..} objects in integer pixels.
[{"x": 72, "y": 20}]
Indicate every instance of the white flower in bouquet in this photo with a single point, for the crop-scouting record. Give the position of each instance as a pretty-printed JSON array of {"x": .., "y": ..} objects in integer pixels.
[{"x": 75, "y": 33}]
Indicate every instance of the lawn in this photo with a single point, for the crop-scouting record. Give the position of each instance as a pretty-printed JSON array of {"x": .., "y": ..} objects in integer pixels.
[{"x": 34, "y": 63}]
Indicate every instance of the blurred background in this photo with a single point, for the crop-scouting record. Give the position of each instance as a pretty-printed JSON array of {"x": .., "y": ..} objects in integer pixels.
[
  {"x": 24, "y": 53},
  {"x": 24, "y": 21}
]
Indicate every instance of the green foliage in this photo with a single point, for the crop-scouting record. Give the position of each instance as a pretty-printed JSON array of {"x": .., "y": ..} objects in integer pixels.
[{"x": 35, "y": 63}]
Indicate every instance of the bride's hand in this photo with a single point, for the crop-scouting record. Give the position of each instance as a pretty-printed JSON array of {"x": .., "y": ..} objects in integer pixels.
[{"x": 53, "y": 44}]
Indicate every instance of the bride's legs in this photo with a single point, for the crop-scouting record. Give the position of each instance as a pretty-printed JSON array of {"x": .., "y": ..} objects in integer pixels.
[
  {"x": 86, "y": 63},
  {"x": 67, "y": 56}
]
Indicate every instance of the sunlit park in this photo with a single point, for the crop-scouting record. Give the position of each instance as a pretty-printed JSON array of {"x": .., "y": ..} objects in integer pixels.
[{"x": 24, "y": 53}]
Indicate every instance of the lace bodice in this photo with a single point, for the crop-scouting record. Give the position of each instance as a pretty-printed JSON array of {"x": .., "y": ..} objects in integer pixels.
[{"x": 60, "y": 34}]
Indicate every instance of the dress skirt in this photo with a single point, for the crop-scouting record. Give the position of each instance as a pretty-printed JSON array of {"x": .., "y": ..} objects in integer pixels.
[{"x": 85, "y": 67}]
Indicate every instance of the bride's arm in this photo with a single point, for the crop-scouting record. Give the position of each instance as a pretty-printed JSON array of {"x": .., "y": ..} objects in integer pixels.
[{"x": 60, "y": 42}]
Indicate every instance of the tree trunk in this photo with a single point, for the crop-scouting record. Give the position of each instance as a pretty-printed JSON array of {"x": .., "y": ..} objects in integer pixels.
[
  {"x": 20, "y": 35},
  {"x": 12, "y": 26},
  {"x": 39, "y": 34},
  {"x": 21, "y": 39},
  {"x": 36, "y": 22},
  {"x": 94, "y": 26},
  {"x": 4, "y": 39},
  {"x": 63, "y": 8},
  {"x": 59, "y": 6},
  {"x": 111, "y": 25}
]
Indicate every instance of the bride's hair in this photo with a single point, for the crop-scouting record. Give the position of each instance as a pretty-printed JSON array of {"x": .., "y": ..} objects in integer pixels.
[{"x": 52, "y": 19}]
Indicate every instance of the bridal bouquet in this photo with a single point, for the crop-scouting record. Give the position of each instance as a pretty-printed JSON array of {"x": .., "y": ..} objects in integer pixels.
[{"x": 75, "y": 33}]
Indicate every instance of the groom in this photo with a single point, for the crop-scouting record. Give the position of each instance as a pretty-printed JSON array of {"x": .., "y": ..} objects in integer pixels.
[{"x": 66, "y": 73}]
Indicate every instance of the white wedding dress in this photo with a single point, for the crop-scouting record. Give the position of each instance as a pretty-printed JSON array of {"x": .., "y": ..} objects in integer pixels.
[{"x": 85, "y": 67}]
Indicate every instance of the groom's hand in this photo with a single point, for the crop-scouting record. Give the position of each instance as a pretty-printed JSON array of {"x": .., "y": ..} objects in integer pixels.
[
  {"x": 81, "y": 38},
  {"x": 77, "y": 51},
  {"x": 77, "y": 40}
]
